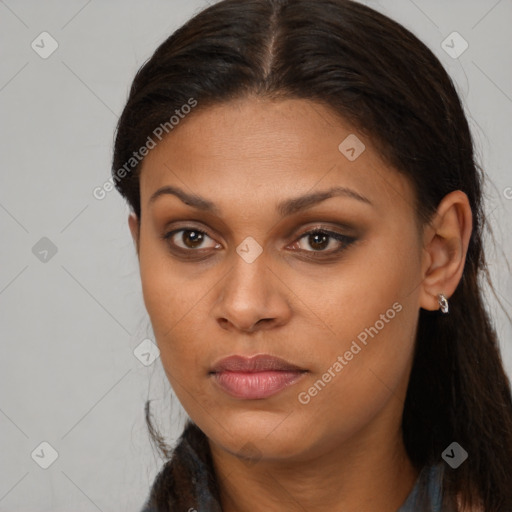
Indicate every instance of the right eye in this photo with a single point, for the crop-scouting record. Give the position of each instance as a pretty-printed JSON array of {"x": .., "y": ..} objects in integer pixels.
[{"x": 190, "y": 239}]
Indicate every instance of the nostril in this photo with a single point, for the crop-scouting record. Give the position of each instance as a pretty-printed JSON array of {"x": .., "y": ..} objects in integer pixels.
[{"x": 267, "y": 320}]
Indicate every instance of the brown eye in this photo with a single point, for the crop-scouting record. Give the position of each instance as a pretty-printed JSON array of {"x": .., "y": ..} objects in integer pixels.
[
  {"x": 190, "y": 239},
  {"x": 320, "y": 240}
]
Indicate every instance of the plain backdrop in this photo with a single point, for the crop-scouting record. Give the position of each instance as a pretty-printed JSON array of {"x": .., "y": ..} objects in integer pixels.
[{"x": 71, "y": 306}]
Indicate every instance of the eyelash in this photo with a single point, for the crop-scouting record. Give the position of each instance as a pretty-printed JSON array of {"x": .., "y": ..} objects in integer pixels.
[{"x": 342, "y": 239}]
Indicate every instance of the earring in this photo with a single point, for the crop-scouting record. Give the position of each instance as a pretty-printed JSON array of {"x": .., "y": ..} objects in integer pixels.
[{"x": 443, "y": 303}]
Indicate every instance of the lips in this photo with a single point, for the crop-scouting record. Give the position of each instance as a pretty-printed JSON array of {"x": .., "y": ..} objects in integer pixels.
[
  {"x": 256, "y": 377},
  {"x": 258, "y": 363}
]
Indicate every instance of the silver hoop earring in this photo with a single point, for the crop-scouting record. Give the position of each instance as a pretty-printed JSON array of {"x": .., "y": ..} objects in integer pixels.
[{"x": 443, "y": 302}]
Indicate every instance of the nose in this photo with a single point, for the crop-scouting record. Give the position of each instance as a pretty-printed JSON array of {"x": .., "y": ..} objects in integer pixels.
[{"x": 252, "y": 297}]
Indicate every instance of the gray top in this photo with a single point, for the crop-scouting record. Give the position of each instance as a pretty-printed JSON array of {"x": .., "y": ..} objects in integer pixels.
[{"x": 431, "y": 480}]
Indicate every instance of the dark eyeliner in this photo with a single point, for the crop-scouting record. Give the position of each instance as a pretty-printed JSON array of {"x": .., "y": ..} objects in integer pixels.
[{"x": 345, "y": 241}]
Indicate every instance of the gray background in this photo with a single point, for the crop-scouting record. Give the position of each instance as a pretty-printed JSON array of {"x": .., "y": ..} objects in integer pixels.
[{"x": 70, "y": 321}]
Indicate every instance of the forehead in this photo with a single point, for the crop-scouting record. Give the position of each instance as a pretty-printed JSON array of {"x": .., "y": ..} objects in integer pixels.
[{"x": 262, "y": 150}]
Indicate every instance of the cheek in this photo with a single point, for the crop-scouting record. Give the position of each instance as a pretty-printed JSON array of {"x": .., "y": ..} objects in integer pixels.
[
  {"x": 377, "y": 354},
  {"x": 372, "y": 311},
  {"x": 162, "y": 285},
  {"x": 361, "y": 292},
  {"x": 176, "y": 307},
  {"x": 370, "y": 377},
  {"x": 165, "y": 302}
]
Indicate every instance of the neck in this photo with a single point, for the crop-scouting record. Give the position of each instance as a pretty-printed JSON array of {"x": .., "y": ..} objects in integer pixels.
[{"x": 371, "y": 476}]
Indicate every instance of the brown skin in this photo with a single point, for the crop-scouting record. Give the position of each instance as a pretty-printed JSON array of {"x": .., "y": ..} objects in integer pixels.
[{"x": 343, "y": 450}]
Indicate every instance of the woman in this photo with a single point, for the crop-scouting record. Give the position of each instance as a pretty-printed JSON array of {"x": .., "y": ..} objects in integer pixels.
[{"x": 306, "y": 210}]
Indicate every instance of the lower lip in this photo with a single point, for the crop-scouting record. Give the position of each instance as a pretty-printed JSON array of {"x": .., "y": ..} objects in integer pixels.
[{"x": 255, "y": 385}]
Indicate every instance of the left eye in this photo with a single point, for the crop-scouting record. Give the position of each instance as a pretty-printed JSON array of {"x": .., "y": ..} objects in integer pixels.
[{"x": 322, "y": 240}]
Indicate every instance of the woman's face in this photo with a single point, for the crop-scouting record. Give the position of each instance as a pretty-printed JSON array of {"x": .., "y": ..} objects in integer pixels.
[{"x": 344, "y": 310}]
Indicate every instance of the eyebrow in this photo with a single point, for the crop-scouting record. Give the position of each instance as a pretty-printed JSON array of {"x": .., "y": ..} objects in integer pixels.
[{"x": 284, "y": 208}]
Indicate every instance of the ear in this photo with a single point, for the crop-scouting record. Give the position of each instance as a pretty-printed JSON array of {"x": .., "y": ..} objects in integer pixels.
[
  {"x": 445, "y": 245},
  {"x": 133, "y": 222}
]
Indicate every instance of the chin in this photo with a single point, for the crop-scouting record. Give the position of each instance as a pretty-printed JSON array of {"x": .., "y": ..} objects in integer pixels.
[{"x": 261, "y": 435}]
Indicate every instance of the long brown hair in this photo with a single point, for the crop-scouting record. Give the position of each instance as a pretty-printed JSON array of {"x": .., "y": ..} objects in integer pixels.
[{"x": 378, "y": 76}]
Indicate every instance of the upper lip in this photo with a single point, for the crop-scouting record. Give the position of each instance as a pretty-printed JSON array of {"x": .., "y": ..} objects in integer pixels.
[{"x": 257, "y": 363}]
